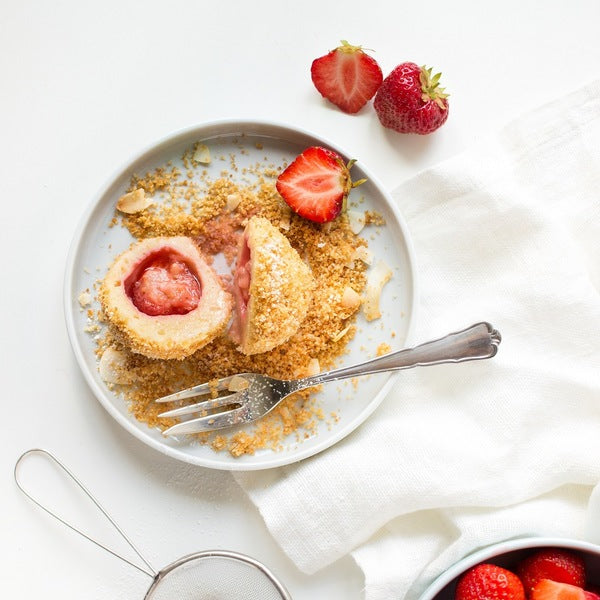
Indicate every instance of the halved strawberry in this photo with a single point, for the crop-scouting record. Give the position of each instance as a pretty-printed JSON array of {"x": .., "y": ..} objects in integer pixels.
[
  {"x": 347, "y": 77},
  {"x": 547, "y": 589},
  {"x": 316, "y": 184},
  {"x": 560, "y": 565}
]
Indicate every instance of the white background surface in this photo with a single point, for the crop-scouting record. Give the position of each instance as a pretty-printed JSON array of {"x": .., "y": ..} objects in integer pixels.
[{"x": 83, "y": 87}]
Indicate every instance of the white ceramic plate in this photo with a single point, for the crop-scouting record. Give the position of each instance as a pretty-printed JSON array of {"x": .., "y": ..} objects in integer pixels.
[{"x": 96, "y": 244}]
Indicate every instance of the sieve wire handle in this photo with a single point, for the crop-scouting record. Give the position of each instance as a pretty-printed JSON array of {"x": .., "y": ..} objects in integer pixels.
[{"x": 151, "y": 572}]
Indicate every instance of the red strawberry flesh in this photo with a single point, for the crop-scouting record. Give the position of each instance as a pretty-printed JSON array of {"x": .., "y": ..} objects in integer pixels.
[
  {"x": 347, "y": 77},
  {"x": 163, "y": 284},
  {"x": 547, "y": 589},
  {"x": 316, "y": 184},
  {"x": 559, "y": 565},
  {"x": 241, "y": 289}
]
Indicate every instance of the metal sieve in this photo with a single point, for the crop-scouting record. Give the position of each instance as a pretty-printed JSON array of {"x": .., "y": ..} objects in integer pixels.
[{"x": 208, "y": 575}]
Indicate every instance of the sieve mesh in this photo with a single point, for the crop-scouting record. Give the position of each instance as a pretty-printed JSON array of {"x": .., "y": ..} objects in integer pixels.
[
  {"x": 209, "y": 575},
  {"x": 216, "y": 576}
]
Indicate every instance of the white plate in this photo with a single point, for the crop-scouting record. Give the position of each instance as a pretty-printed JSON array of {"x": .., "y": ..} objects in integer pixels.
[{"x": 96, "y": 244}]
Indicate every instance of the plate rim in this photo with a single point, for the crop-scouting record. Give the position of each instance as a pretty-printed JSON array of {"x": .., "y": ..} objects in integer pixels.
[{"x": 279, "y": 459}]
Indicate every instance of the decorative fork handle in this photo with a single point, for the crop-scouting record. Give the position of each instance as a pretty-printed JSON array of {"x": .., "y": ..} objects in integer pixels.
[{"x": 474, "y": 343}]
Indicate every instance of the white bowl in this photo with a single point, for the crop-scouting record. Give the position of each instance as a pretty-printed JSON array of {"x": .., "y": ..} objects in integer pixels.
[
  {"x": 96, "y": 244},
  {"x": 507, "y": 554}
]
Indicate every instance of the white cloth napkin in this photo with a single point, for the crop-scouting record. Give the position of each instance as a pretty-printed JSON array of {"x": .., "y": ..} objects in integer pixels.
[{"x": 459, "y": 456}]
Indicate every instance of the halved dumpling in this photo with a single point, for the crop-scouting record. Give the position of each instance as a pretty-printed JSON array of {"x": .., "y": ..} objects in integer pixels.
[
  {"x": 164, "y": 299},
  {"x": 273, "y": 289}
]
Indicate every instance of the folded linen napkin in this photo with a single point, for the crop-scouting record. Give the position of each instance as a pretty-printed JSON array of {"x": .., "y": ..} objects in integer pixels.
[{"x": 459, "y": 456}]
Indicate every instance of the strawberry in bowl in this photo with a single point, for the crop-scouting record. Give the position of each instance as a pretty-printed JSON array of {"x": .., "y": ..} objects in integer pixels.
[
  {"x": 523, "y": 569},
  {"x": 490, "y": 582},
  {"x": 555, "y": 564}
]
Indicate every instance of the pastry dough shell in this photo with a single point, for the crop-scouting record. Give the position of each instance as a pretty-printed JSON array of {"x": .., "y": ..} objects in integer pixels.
[{"x": 165, "y": 336}]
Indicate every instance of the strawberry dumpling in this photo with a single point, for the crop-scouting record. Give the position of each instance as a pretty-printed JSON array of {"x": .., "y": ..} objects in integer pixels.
[
  {"x": 164, "y": 299},
  {"x": 273, "y": 289}
]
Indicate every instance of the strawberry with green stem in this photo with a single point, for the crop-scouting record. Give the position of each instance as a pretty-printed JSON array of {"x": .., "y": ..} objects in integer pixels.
[
  {"x": 316, "y": 184},
  {"x": 410, "y": 100}
]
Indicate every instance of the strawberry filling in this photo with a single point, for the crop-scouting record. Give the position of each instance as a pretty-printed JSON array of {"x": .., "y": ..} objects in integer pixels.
[
  {"x": 163, "y": 284},
  {"x": 241, "y": 290}
]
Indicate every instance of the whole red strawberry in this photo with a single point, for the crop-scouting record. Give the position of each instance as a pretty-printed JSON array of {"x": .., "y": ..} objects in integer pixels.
[
  {"x": 562, "y": 566},
  {"x": 316, "y": 184},
  {"x": 410, "y": 100},
  {"x": 347, "y": 76},
  {"x": 489, "y": 582}
]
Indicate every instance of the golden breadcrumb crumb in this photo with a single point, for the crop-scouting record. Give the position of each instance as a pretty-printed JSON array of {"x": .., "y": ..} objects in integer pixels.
[{"x": 383, "y": 348}]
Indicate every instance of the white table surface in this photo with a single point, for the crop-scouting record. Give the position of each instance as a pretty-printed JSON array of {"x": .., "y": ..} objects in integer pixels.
[{"x": 83, "y": 87}]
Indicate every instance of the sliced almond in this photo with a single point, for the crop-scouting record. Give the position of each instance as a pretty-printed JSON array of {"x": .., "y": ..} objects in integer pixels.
[
  {"x": 133, "y": 202},
  {"x": 233, "y": 201},
  {"x": 201, "y": 154},
  {"x": 113, "y": 367},
  {"x": 314, "y": 367},
  {"x": 363, "y": 253},
  {"x": 285, "y": 224},
  {"x": 378, "y": 277},
  {"x": 286, "y": 218},
  {"x": 350, "y": 298},
  {"x": 356, "y": 221},
  {"x": 238, "y": 384},
  {"x": 85, "y": 299},
  {"x": 340, "y": 334}
]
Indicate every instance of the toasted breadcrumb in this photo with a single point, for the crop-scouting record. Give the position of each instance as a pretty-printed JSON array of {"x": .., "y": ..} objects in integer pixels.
[
  {"x": 374, "y": 218},
  {"x": 383, "y": 348}
]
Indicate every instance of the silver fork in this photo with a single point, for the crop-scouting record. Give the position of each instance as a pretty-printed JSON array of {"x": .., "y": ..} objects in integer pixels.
[{"x": 252, "y": 396}]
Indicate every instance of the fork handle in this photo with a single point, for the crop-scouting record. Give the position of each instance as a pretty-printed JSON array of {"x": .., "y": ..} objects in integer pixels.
[{"x": 474, "y": 343}]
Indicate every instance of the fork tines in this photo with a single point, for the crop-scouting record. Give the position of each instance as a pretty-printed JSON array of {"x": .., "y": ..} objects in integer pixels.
[{"x": 232, "y": 384}]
